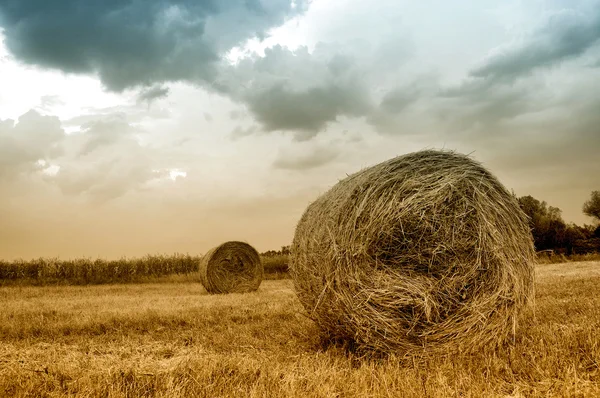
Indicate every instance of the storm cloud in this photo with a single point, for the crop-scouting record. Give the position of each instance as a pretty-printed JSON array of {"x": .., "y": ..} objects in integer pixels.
[
  {"x": 299, "y": 91},
  {"x": 129, "y": 43},
  {"x": 565, "y": 35},
  {"x": 521, "y": 78}
]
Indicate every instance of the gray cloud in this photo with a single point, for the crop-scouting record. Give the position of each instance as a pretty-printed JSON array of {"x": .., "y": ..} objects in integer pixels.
[
  {"x": 236, "y": 114},
  {"x": 150, "y": 94},
  {"x": 298, "y": 91},
  {"x": 104, "y": 132},
  {"x": 309, "y": 158},
  {"x": 130, "y": 43},
  {"x": 398, "y": 101},
  {"x": 307, "y": 111},
  {"x": 493, "y": 94},
  {"x": 33, "y": 137},
  {"x": 483, "y": 105},
  {"x": 566, "y": 34}
]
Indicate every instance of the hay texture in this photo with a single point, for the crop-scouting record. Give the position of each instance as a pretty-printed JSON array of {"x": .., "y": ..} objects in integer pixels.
[
  {"x": 424, "y": 253},
  {"x": 232, "y": 267}
]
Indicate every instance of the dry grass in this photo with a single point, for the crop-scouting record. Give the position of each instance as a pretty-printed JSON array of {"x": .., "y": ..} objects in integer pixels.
[
  {"x": 543, "y": 258},
  {"x": 174, "y": 340},
  {"x": 422, "y": 253},
  {"x": 231, "y": 267}
]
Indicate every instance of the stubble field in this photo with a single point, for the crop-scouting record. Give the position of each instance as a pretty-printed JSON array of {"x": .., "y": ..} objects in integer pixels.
[{"x": 175, "y": 340}]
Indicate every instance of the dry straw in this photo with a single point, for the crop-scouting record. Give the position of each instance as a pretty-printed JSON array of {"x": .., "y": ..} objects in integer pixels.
[
  {"x": 232, "y": 267},
  {"x": 424, "y": 253}
]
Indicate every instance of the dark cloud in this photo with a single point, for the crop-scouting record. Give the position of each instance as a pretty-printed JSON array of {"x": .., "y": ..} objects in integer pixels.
[
  {"x": 310, "y": 158},
  {"x": 298, "y": 91},
  {"x": 33, "y": 137},
  {"x": 567, "y": 34},
  {"x": 150, "y": 94},
  {"x": 306, "y": 111},
  {"x": 129, "y": 43}
]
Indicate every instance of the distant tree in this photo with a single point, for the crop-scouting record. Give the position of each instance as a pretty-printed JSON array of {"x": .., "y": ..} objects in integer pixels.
[
  {"x": 285, "y": 250},
  {"x": 572, "y": 234},
  {"x": 547, "y": 226},
  {"x": 592, "y": 206}
]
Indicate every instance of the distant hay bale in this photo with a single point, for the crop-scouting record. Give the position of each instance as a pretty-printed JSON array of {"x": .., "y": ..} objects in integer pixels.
[
  {"x": 423, "y": 253},
  {"x": 232, "y": 267}
]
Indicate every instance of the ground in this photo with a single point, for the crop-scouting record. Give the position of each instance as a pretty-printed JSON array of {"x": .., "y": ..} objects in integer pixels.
[{"x": 175, "y": 340}]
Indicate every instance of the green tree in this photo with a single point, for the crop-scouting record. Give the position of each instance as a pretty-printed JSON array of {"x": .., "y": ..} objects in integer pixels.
[{"x": 592, "y": 206}]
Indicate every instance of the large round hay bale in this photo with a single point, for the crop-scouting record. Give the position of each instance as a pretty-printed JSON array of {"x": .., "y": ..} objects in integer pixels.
[
  {"x": 232, "y": 267},
  {"x": 426, "y": 251}
]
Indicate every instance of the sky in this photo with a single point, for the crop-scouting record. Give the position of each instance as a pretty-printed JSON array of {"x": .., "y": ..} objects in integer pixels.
[{"x": 133, "y": 127}]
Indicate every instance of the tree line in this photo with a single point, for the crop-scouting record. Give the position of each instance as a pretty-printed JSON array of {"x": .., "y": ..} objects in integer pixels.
[{"x": 551, "y": 232}]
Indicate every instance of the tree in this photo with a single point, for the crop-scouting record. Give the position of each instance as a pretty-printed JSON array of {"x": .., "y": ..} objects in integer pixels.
[
  {"x": 592, "y": 206},
  {"x": 547, "y": 226}
]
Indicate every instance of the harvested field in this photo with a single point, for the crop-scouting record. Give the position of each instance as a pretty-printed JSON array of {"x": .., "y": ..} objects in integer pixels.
[{"x": 175, "y": 340}]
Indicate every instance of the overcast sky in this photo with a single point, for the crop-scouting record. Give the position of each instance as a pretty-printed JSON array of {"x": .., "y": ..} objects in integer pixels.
[{"x": 130, "y": 127}]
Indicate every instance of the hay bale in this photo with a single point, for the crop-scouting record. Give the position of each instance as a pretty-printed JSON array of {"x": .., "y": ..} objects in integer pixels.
[
  {"x": 426, "y": 251},
  {"x": 232, "y": 267}
]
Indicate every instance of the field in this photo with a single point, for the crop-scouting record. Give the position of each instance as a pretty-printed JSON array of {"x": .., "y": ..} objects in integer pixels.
[{"x": 171, "y": 339}]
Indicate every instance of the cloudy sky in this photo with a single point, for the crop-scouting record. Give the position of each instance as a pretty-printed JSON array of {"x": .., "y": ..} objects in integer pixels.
[{"x": 130, "y": 127}]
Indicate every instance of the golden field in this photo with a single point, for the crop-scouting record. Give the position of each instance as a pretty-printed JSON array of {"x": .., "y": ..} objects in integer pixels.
[{"x": 172, "y": 339}]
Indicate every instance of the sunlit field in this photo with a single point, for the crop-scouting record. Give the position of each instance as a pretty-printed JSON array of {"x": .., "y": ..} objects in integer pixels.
[{"x": 172, "y": 339}]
